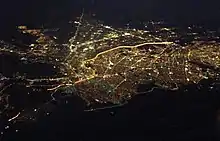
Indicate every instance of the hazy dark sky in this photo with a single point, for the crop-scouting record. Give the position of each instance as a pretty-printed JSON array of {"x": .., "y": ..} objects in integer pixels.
[
  {"x": 168, "y": 9},
  {"x": 175, "y": 10}
]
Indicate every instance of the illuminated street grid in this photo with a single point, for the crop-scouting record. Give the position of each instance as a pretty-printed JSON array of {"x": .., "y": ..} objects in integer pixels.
[{"x": 104, "y": 64}]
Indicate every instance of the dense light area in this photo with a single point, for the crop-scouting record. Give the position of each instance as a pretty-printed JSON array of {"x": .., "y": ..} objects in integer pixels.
[{"x": 104, "y": 64}]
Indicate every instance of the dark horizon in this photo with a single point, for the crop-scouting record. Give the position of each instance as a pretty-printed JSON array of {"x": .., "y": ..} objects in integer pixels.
[{"x": 184, "y": 12}]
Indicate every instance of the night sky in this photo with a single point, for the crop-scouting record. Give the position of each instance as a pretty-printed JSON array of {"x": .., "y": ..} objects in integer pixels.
[{"x": 184, "y": 11}]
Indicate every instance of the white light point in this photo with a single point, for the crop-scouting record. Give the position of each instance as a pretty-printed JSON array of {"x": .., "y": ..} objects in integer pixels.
[
  {"x": 127, "y": 34},
  {"x": 108, "y": 27},
  {"x": 170, "y": 72}
]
